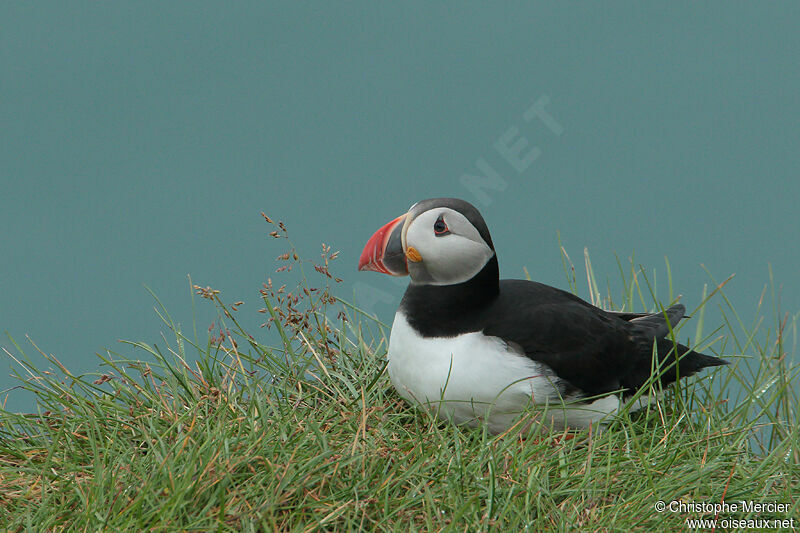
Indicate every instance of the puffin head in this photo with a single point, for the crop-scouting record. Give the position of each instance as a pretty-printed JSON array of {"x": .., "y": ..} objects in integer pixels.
[{"x": 441, "y": 241}]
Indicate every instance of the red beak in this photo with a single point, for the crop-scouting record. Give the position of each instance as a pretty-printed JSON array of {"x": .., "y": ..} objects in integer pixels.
[{"x": 384, "y": 250}]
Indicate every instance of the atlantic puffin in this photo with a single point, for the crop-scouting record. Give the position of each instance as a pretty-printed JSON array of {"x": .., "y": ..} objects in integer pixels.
[{"x": 476, "y": 349}]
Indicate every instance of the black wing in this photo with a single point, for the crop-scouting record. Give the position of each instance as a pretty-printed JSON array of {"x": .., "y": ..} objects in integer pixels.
[{"x": 593, "y": 350}]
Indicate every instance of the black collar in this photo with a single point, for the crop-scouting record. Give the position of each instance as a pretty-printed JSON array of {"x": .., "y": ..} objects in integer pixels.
[{"x": 449, "y": 310}]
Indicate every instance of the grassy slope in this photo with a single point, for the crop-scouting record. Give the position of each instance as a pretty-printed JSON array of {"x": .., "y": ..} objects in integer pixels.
[{"x": 229, "y": 436}]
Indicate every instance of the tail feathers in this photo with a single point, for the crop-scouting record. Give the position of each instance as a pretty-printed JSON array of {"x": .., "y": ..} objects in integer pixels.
[
  {"x": 705, "y": 361},
  {"x": 689, "y": 361},
  {"x": 655, "y": 327}
]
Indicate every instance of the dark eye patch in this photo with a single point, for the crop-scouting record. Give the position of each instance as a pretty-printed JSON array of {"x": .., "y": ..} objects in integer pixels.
[{"x": 440, "y": 227}]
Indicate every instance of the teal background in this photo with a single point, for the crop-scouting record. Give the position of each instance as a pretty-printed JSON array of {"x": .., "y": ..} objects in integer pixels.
[{"x": 141, "y": 140}]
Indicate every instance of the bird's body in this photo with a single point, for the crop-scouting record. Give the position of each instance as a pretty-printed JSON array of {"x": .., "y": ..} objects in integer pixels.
[{"x": 473, "y": 348}]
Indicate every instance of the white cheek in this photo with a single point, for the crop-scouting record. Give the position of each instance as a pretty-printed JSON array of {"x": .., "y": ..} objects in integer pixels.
[
  {"x": 446, "y": 259},
  {"x": 456, "y": 259}
]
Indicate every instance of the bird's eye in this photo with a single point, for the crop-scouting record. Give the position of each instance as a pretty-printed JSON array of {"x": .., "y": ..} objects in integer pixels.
[{"x": 439, "y": 227}]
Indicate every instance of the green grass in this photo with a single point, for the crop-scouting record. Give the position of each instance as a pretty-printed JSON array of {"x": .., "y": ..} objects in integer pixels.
[{"x": 229, "y": 434}]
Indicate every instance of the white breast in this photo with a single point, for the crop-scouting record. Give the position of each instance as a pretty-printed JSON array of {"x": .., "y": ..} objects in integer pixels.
[{"x": 473, "y": 377}]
